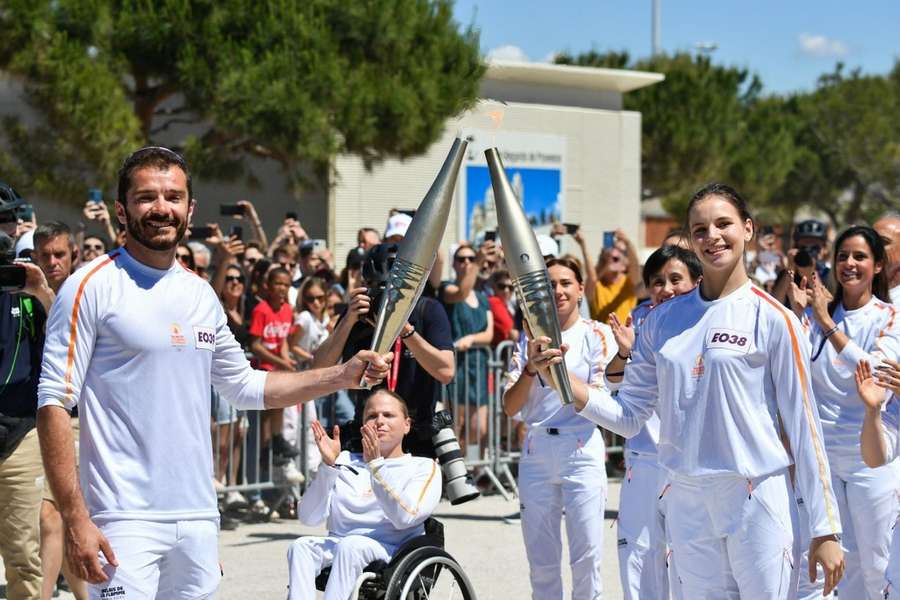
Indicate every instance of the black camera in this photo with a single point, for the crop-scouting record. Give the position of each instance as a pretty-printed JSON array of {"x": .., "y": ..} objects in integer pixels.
[{"x": 12, "y": 276}]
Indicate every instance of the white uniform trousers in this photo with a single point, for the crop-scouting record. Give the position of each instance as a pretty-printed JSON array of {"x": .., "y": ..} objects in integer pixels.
[
  {"x": 731, "y": 537},
  {"x": 892, "y": 575},
  {"x": 867, "y": 501},
  {"x": 805, "y": 590},
  {"x": 176, "y": 560},
  {"x": 347, "y": 556},
  {"x": 641, "y": 529},
  {"x": 565, "y": 470}
]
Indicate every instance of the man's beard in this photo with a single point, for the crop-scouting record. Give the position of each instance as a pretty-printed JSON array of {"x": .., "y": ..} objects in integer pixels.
[{"x": 138, "y": 229}]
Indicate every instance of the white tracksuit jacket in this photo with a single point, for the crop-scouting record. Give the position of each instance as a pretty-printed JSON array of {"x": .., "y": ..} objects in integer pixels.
[{"x": 720, "y": 374}]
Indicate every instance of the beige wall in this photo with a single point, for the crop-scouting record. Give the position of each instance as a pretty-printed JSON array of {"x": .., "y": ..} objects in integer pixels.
[{"x": 602, "y": 174}]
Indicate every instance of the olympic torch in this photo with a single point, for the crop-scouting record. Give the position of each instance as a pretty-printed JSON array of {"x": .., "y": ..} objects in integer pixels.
[
  {"x": 526, "y": 266},
  {"x": 416, "y": 254}
]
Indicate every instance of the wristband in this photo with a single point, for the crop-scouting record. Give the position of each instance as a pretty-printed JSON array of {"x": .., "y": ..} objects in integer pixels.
[
  {"x": 625, "y": 358},
  {"x": 406, "y": 335},
  {"x": 831, "y": 332}
]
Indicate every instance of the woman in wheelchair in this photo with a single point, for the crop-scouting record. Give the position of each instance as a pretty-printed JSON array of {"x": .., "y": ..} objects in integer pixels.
[{"x": 372, "y": 502}]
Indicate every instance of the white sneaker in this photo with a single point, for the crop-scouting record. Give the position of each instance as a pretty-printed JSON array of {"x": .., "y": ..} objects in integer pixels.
[
  {"x": 290, "y": 474},
  {"x": 259, "y": 507},
  {"x": 235, "y": 500}
]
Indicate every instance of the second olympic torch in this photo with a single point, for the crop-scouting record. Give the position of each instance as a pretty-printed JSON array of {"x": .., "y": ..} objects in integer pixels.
[
  {"x": 526, "y": 266},
  {"x": 416, "y": 254}
]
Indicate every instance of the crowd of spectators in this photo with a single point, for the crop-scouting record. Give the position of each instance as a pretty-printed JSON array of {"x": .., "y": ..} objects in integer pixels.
[{"x": 292, "y": 307}]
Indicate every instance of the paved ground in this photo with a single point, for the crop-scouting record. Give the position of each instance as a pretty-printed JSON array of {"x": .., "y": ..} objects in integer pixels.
[{"x": 489, "y": 550}]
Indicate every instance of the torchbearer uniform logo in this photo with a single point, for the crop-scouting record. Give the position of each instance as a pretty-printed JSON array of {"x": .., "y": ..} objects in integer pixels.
[
  {"x": 177, "y": 338},
  {"x": 698, "y": 369}
]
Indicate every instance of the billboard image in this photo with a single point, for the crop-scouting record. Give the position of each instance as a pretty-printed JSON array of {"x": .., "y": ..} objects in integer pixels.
[{"x": 534, "y": 166}]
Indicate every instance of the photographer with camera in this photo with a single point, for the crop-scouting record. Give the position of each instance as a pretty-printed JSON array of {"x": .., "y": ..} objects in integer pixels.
[
  {"x": 423, "y": 354},
  {"x": 25, "y": 298},
  {"x": 808, "y": 256}
]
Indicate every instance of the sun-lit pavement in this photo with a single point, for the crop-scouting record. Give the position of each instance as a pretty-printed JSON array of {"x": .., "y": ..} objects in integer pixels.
[{"x": 489, "y": 550}]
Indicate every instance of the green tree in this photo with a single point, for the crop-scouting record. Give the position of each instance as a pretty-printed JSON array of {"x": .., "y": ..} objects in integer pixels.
[
  {"x": 294, "y": 81},
  {"x": 849, "y": 137},
  {"x": 690, "y": 120}
]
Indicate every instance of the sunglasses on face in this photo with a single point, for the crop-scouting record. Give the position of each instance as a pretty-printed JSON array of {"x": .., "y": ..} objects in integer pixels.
[
  {"x": 234, "y": 279},
  {"x": 96, "y": 247},
  {"x": 8, "y": 217},
  {"x": 288, "y": 265},
  {"x": 465, "y": 259},
  {"x": 183, "y": 257},
  {"x": 504, "y": 287},
  {"x": 320, "y": 298}
]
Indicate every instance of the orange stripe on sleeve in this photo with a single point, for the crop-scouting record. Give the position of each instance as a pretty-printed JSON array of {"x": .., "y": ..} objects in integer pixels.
[
  {"x": 807, "y": 406},
  {"x": 73, "y": 326}
]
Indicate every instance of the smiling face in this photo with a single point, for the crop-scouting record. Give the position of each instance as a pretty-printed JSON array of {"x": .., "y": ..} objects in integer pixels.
[
  {"x": 566, "y": 291},
  {"x": 672, "y": 280},
  {"x": 718, "y": 233},
  {"x": 157, "y": 208},
  {"x": 855, "y": 266},
  {"x": 234, "y": 283},
  {"x": 389, "y": 417}
]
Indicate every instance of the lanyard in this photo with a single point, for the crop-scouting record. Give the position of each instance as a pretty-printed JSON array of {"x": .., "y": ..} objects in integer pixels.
[{"x": 395, "y": 366}]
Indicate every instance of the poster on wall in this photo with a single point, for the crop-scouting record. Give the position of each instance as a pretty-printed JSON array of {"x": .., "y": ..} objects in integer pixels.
[{"x": 534, "y": 164}]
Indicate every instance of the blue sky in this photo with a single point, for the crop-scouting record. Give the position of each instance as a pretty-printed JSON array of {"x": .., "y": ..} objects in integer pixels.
[{"x": 788, "y": 43}]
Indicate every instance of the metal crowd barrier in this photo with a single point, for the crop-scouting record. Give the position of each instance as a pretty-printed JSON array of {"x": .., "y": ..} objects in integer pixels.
[{"x": 490, "y": 440}]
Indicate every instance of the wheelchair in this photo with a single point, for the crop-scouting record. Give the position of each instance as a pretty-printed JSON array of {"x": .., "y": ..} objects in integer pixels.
[{"x": 419, "y": 570}]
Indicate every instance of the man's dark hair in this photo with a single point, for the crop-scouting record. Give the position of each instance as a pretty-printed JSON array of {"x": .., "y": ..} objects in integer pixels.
[
  {"x": 151, "y": 156},
  {"x": 49, "y": 230}
]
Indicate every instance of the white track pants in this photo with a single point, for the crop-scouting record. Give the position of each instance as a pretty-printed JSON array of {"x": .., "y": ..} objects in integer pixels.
[
  {"x": 731, "y": 540},
  {"x": 641, "y": 530},
  {"x": 347, "y": 556},
  {"x": 892, "y": 590},
  {"x": 173, "y": 560},
  {"x": 867, "y": 500},
  {"x": 556, "y": 472},
  {"x": 805, "y": 590}
]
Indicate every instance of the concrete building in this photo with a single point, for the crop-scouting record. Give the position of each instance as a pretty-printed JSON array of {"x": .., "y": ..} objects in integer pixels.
[{"x": 573, "y": 154}]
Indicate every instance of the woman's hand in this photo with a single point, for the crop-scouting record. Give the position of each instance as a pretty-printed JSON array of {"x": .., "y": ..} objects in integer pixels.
[
  {"x": 887, "y": 375},
  {"x": 541, "y": 357},
  {"x": 329, "y": 447},
  {"x": 870, "y": 391},
  {"x": 818, "y": 298},
  {"x": 463, "y": 343},
  {"x": 623, "y": 334},
  {"x": 371, "y": 446},
  {"x": 797, "y": 294}
]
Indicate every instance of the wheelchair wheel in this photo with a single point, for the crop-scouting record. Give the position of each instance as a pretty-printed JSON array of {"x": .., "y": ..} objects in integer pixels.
[{"x": 429, "y": 573}]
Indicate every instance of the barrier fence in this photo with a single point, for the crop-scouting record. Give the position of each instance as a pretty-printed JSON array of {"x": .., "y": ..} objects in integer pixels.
[{"x": 489, "y": 438}]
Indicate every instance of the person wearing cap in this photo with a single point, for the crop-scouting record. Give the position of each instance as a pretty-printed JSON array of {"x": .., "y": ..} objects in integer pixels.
[
  {"x": 22, "y": 319},
  {"x": 396, "y": 228},
  {"x": 613, "y": 285},
  {"x": 807, "y": 257}
]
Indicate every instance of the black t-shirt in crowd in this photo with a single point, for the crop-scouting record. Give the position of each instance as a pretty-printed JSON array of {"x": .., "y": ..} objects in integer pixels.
[
  {"x": 22, "y": 321},
  {"x": 420, "y": 390}
]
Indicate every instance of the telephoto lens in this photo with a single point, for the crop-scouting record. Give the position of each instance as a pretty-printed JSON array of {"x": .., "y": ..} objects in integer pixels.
[{"x": 446, "y": 447}]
